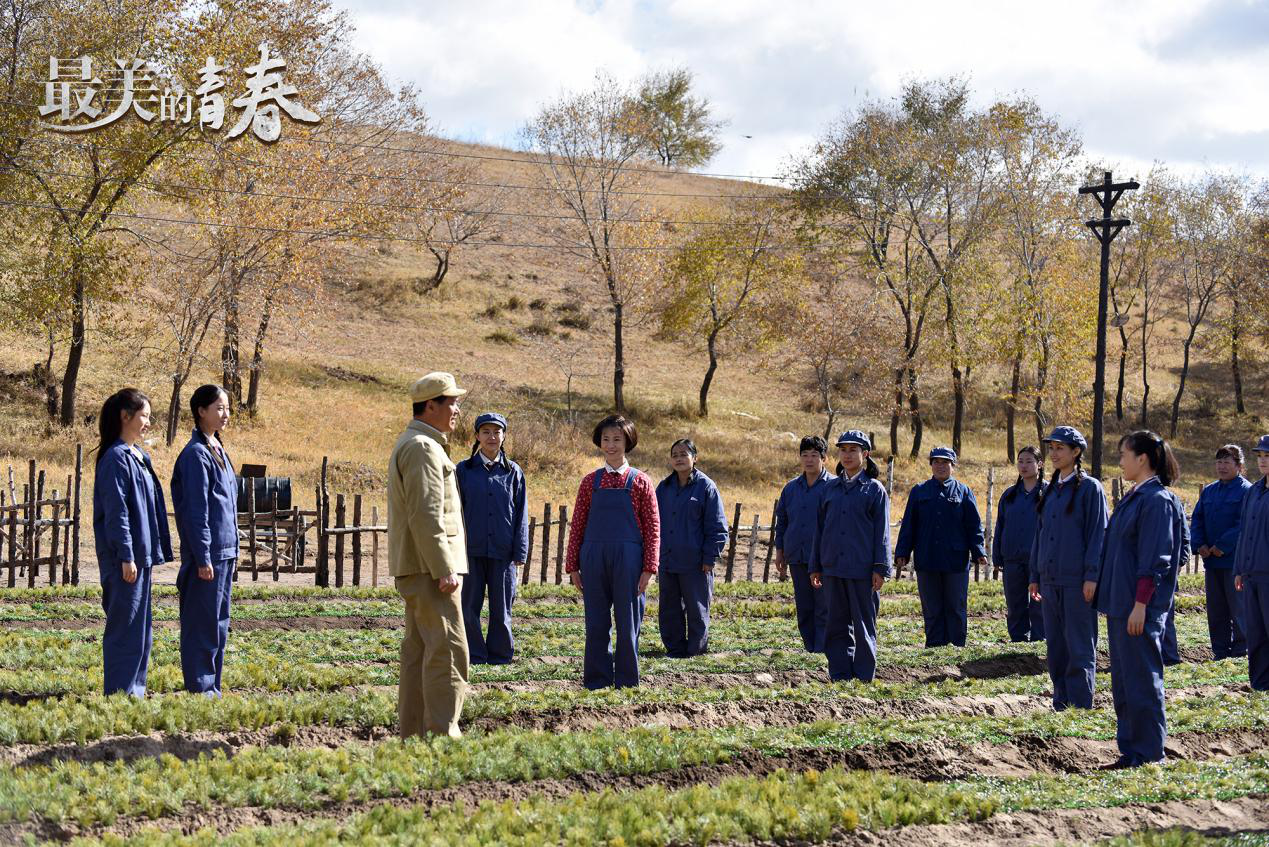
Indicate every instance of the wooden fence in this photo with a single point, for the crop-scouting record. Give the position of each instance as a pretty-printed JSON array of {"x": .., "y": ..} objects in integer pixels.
[{"x": 39, "y": 527}]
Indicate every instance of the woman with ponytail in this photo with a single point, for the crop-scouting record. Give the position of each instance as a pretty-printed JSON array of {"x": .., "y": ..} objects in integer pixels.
[
  {"x": 1145, "y": 544},
  {"x": 1011, "y": 549},
  {"x": 496, "y": 518},
  {"x": 693, "y": 535},
  {"x": 131, "y": 533},
  {"x": 205, "y": 501},
  {"x": 850, "y": 559},
  {"x": 1065, "y": 560}
]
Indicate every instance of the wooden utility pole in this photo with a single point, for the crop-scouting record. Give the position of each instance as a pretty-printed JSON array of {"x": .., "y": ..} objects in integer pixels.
[{"x": 1107, "y": 193}]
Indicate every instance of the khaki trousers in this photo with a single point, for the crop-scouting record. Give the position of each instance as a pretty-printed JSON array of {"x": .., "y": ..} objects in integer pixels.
[{"x": 434, "y": 661}]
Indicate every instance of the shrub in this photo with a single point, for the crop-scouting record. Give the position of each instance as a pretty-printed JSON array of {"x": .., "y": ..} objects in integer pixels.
[{"x": 501, "y": 336}]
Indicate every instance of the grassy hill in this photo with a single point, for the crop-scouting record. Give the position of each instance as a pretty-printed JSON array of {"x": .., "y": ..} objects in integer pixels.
[{"x": 335, "y": 383}]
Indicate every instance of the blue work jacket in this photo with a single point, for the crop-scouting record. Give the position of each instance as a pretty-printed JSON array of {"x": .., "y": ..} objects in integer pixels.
[
  {"x": 1217, "y": 518},
  {"x": 1251, "y": 562},
  {"x": 852, "y": 532},
  {"x": 129, "y": 511},
  {"x": 1068, "y": 546},
  {"x": 797, "y": 512},
  {"x": 1147, "y": 537},
  {"x": 205, "y": 502},
  {"x": 941, "y": 530},
  {"x": 1015, "y": 525},
  {"x": 494, "y": 508},
  {"x": 693, "y": 523}
]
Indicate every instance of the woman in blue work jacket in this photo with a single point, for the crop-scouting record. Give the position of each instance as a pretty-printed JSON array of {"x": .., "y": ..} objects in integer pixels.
[
  {"x": 613, "y": 552},
  {"x": 693, "y": 534},
  {"x": 1145, "y": 544},
  {"x": 131, "y": 534},
  {"x": 1214, "y": 528},
  {"x": 1016, "y": 519},
  {"x": 496, "y": 519},
  {"x": 205, "y": 501},
  {"x": 942, "y": 531},
  {"x": 1065, "y": 560},
  {"x": 1251, "y": 570},
  {"x": 797, "y": 513},
  {"x": 850, "y": 559}
]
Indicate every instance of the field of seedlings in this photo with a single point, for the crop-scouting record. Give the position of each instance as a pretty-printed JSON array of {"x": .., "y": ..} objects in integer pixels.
[{"x": 747, "y": 745}]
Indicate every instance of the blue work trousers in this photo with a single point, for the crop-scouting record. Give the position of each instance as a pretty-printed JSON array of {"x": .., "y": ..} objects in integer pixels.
[
  {"x": 683, "y": 613},
  {"x": 1023, "y": 616},
  {"x": 497, "y": 578},
  {"x": 204, "y": 607},
  {"x": 610, "y": 594},
  {"x": 1224, "y": 614},
  {"x": 1136, "y": 685},
  {"x": 1256, "y": 615},
  {"x": 851, "y": 637},
  {"x": 1070, "y": 628},
  {"x": 811, "y": 608},
  {"x": 129, "y": 633},
  {"x": 944, "y": 606}
]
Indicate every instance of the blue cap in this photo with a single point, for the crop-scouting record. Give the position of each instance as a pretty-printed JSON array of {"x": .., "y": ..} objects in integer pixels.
[
  {"x": 854, "y": 436},
  {"x": 1067, "y": 435},
  {"x": 493, "y": 418},
  {"x": 943, "y": 453},
  {"x": 1262, "y": 446}
]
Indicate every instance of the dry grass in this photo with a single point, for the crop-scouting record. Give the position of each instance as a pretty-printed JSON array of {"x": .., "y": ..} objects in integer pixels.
[{"x": 337, "y": 386}]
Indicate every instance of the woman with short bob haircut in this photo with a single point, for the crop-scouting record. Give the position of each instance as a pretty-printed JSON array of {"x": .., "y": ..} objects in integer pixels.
[
  {"x": 205, "y": 501},
  {"x": 131, "y": 534},
  {"x": 1146, "y": 541},
  {"x": 613, "y": 548}
]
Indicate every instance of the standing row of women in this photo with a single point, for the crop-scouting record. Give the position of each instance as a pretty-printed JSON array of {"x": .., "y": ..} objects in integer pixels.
[{"x": 130, "y": 524}]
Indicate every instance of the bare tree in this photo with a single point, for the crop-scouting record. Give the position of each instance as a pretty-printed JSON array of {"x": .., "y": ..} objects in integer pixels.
[{"x": 586, "y": 143}]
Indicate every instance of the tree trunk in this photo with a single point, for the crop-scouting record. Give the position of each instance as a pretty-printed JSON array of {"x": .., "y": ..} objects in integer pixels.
[
  {"x": 618, "y": 362},
  {"x": 712, "y": 346},
  {"x": 257, "y": 358},
  {"x": 1123, "y": 367},
  {"x": 75, "y": 356},
  {"x": 174, "y": 408},
  {"x": 958, "y": 408},
  {"x": 1145, "y": 380},
  {"x": 1011, "y": 412},
  {"x": 231, "y": 373},
  {"x": 895, "y": 412},
  {"x": 1235, "y": 366},
  {"x": 1042, "y": 381},
  {"x": 1185, "y": 372},
  {"x": 438, "y": 275},
  {"x": 914, "y": 407}
]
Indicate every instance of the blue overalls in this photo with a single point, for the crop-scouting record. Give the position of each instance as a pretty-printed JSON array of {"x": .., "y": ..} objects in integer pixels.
[
  {"x": 497, "y": 525},
  {"x": 611, "y": 564},
  {"x": 693, "y": 534},
  {"x": 129, "y": 525},
  {"x": 942, "y": 531},
  {"x": 1252, "y": 564},
  {"x": 1215, "y": 523},
  {"x": 1066, "y": 554},
  {"x": 1146, "y": 538},
  {"x": 797, "y": 513},
  {"x": 1016, "y": 521},
  {"x": 852, "y": 542},
  {"x": 205, "y": 502}
]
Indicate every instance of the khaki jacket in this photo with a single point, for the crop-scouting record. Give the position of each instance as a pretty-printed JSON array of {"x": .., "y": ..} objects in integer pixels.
[{"x": 425, "y": 515}]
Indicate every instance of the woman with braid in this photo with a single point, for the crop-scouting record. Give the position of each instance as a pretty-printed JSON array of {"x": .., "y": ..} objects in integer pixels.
[{"x": 1065, "y": 561}]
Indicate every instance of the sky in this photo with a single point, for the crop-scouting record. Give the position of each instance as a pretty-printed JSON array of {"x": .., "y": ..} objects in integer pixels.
[{"x": 1186, "y": 83}]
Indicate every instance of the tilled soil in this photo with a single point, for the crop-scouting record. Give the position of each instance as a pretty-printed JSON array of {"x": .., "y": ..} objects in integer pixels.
[{"x": 925, "y": 760}]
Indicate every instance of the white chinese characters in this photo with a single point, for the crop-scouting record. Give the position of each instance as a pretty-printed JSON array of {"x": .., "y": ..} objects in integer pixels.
[{"x": 79, "y": 100}]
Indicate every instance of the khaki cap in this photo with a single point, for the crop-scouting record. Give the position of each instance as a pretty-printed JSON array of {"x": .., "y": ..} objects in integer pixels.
[{"x": 435, "y": 384}]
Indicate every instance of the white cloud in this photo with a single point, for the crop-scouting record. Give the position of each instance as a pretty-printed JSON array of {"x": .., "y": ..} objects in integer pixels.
[{"x": 1127, "y": 74}]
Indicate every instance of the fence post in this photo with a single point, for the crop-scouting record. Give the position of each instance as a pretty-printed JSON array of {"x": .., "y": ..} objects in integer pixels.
[
  {"x": 766, "y": 568},
  {"x": 991, "y": 498},
  {"x": 13, "y": 545},
  {"x": 528, "y": 557},
  {"x": 546, "y": 540},
  {"x": 559, "y": 546},
  {"x": 374, "y": 548},
  {"x": 339, "y": 540},
  {"x": 890, "y": 477},
  {"x": 66, "y": 535},
  {"x": 273, "y": 546},
  {"x": 356, "y": 540},
  {"x": 753, "y": 546},
  {"x": 28, "y": 531},
  {"x": 52, "y": 547},
  {"x": 74, "y": 551},
  {"x": 731, "y": 544},
  {"x": 251, "y": 529},
  {"x": 323, "y": 524}
]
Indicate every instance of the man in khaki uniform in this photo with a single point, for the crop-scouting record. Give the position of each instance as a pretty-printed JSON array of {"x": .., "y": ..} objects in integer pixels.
[{"x": 427, "y": 553}]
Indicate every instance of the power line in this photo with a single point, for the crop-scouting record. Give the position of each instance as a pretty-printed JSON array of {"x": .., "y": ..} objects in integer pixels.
[
  {"x": 337, "y": 234},
  {"x": 526, "y": 159},
  {"x": 401, "y": 178},
  {"x": 169, "y": 189}
]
